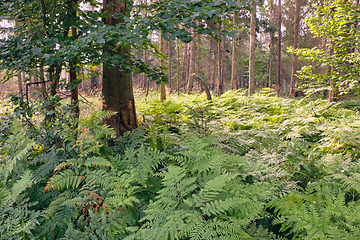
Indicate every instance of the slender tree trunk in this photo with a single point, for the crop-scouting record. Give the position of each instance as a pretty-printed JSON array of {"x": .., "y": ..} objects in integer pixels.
[
  {"x": 20, "y": 86},
  {"x": 278, "y": 74},
  {"x": 333, "y": 93},
  {"x": 117, "y": 87},
  {"x": 271, "y": 45},
  {"x": 233, "y": 56},
  {"x": 178, "y": 65},
  {"x": 170, "y": 65},
  {"x": 162, "y": 63},
  {"x": 72, "y": 65},
  {"x": 252, "y": 51},
  {"x": 294, "y": 57},
  {"x": 192, "y": 52},
  {"x": 219, "y": 70},
  {"x": 43, "y": 81},
  {"x": 183, "y": 78}
]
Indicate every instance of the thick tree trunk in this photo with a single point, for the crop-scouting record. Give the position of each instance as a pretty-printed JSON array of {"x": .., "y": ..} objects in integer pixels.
[
  {"x": 278, "y": 74},
  {"x": 117, "y": 87},
  {"x": 252, "y": 51},
  {"x": 294, "y": 57},
  {"x": 271, "y": 45}
]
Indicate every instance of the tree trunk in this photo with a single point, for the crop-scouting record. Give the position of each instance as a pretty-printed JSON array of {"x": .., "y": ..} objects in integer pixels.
[
  {"x": 162, "y": 63},
  {"x": 183, "y": 77},
  {"x": 170, "y": 65},
  {"x": 20, "y": 86},
  {"x": 178, "y": 65},
  {"x": 117, "y": 87},
  {"x": 74, "y": 92},
  {"x": 278, "y": 74},
  {"x": 43, "y": 81},
  {"x": 219, "y": 69},
  {"x": 252, "y": 51},
  {"x": 294, "y": 57},
  {"x": 233, "y": 56},
  {"x": 204, "y": 85},
  {"x": 271, "y": 45},
  {"x": 190, "y": 82}
]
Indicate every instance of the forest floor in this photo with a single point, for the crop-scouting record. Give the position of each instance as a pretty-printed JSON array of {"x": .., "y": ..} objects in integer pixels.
[{"x": 257, "y": 167}]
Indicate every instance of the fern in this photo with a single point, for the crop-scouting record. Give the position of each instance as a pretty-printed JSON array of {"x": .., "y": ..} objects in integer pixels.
[
  {"x": 17, "y": 219},
  {"x": 17, "y": 148}
]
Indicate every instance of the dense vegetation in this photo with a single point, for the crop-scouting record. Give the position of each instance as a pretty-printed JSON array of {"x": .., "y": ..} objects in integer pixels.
[
  {"x": 235, "y": 168},
  {"x": 241, "y": 164}
]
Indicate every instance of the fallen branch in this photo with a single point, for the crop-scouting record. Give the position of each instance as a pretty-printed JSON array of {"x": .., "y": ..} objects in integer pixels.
[{"x": 204, "y": 84}]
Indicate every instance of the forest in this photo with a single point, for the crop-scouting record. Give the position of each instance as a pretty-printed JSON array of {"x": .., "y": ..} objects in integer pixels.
[{"x": 179, "y": 119}]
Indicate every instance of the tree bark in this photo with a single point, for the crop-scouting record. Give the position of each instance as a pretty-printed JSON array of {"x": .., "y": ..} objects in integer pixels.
[
  {"x": 178, "y": 65},
  {"x": 252, "y": 51},
  {"x": 204, "y": 85},
  {"x": 117, "y": 87},
  {"x": 233, "y": 56},
  {"x": 43, "y": 81},
  {"x": 190, "y": 82},
  {"x": 20, "y": 86},
  {"x": 271, "y": 44},
  {"x": 278, "y": 74},
  {"x": 294, "y": 57},
  {"x": 162, "y": 63},
  {"x": 170, "y": 64},
  {"x": 219, "y": 70},
  {"x": 74, "y": 92},
  {"x": 184, "y": 64}
]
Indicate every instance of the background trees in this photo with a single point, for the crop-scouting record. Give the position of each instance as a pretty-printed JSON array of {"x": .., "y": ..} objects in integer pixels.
[{"x": 214, "y": 43}]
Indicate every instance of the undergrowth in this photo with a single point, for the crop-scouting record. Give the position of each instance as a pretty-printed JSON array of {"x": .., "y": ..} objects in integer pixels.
[{"x": 234, "y": 168}]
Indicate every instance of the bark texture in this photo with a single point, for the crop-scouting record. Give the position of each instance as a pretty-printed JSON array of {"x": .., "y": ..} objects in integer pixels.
[
  {"x": 117, "y": 86},
  {"x": 278, "y": 74},
  {"x": 233, "y": 56},
  {"x": 271, "y": 44},
  {"x": 162, "y": 63},
  {"x": 296, "y": 39},
  {"x": 190, "y": 82},
  {"x": 252, "y": 51}
]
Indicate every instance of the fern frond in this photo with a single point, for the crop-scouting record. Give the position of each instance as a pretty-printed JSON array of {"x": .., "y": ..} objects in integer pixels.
[
  {"x": 97, "y": 162},
  {"x": 218, "y": 207},
  {"x": 25, "y": 181},
  {"x": 65, "y": 179},
  {"x": 99, "y": 177},
  {"x": 49, "y": 162},
  {"x": 215, "y": 187}
]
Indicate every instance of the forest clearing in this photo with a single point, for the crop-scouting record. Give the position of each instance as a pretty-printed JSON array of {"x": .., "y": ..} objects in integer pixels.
[{"x": 177, "y": 119}]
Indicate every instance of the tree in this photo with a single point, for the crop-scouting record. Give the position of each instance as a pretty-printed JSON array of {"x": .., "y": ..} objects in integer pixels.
[
  {"x": 252, "y": 51},
  {"x": 295, "y": 44},
  {"x": 233, "y": 56},
  {"x": 58, "y": 34},
  {"x": 74, "y": 93},
  {"x": 162, "y": 64},
  {"x": 271, "y": 44},
  {"x": 190, "y": 82},
  {"x": 335, "y": 21},
  {"x": 278, "y": 73},
  {"x": 117, "y": 86}
]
